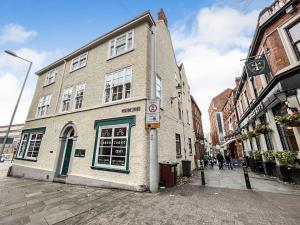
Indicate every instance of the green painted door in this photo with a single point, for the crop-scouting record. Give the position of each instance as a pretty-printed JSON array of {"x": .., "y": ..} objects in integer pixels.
[{"x": 66, "y": 162}]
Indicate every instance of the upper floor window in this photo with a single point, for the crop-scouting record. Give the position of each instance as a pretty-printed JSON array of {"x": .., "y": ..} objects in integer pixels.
[
  {"x": 246, "y": 98},
  {"x": 66, "y": 100},
  {"x": 187, "y": 116},
  {"x": 43, "y": 106},
  {"x": 121, "y": 44},
  {"x": 158, "y": 89},
  {"x": 179, "y": 110},
  {"x": 294, "y": 35},
  {"x": 79, "y": 96},
  {"x": 118, "y": 85},
  {"x": 79, "y": 62},
  {"x": 50, "y": 77}
]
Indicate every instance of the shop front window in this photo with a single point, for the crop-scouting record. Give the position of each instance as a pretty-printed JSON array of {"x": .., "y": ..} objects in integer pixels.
[{"x": 287, "y": 136}]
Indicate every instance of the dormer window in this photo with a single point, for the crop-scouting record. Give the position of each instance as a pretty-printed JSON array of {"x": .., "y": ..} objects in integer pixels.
[
  {"x": 120, "y": 44},
  {"x": 78, "y": 62},
  {"x": 50, "y": 77}
]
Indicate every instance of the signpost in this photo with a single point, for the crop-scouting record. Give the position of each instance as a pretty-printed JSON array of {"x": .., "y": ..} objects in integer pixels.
[{"x": 152, "y": 114}]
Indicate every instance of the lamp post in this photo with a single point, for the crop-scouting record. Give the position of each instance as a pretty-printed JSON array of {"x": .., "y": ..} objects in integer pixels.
[{"x": 17, "y": 104}]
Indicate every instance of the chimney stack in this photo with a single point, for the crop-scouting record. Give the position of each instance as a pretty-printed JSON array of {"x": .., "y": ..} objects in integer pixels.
[{"x": 162, "y": 16}]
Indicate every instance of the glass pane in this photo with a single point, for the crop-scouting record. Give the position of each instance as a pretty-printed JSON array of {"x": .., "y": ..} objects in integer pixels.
[
  {"x": 104, "y": 151},
  {"x": 120, "y": 131},
  {"x": 298, "y": 47},
  {"x": 118, "y": 161},
  {"x": 106, "y": 132},
  {"x": 119, "y": 151},
  {"x": 119, "y": 142},
  {"x": 105, "y": 142},
  {"x": 104, "y": 160},
  {"x": 295, "y": 32}
]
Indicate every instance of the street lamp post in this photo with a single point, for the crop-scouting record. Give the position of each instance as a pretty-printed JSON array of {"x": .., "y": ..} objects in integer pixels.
[{"x": 17, "y": 104}]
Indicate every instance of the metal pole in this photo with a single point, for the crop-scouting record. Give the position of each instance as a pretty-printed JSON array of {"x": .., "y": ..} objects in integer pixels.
[
  {"x": 247, "y": 180},
  {"x": 202, "y": 173},
  {"x": 153, "y": 132},
  {"x": 17, "y": 104}
]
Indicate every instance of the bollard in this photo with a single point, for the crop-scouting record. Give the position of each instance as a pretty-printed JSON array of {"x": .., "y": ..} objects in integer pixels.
[
  {"x": 247, "y": 180},
  {"x": 202, "y": 174}
]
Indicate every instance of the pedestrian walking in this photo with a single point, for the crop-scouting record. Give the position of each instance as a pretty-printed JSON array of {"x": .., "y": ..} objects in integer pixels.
[
  {"x": 220, "y": 159},
  {"x": 205, "y": 159},
  {"x": 228, "y": 161}
]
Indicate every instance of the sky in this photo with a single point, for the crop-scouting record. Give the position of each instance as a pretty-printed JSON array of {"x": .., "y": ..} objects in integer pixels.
[{"x": 209, "y": 37}]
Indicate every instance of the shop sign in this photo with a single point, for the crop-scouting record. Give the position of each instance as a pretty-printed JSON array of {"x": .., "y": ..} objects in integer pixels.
[
  {"x": 152, "y": 114},
  {"x": 132, "y": 109},
  {"x": 258, "y": 109},
  {"x": 257, "y": 66}
]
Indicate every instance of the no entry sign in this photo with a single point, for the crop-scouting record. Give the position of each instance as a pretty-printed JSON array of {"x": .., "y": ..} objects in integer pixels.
[{"x": 152, "y": 114}]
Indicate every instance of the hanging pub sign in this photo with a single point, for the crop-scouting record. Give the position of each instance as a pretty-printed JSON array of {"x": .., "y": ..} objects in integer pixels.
[{"x": 257, "y": 66}]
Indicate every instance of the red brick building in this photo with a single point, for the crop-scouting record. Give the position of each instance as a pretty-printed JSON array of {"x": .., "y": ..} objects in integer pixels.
[
  {"x": 198, "y": 129},
  {"x": 262, "y": 97},
  {"x": 216, "y": 118}
]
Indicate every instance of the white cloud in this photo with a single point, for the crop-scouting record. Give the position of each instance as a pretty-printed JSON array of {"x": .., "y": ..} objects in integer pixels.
[
  {"x": 15, "y": 33},
  {"x": 211, "y": 50},
  {"x": 12, "y": 74}
]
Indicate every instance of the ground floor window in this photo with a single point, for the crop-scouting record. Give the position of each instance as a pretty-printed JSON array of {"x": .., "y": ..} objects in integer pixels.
[
  {"x": 287, "y": 136},
  {"x": 113, "y": 143},
  {"x": 30, "y": 143}
]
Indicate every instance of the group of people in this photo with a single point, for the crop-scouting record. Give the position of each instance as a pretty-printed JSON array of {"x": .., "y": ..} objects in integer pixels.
[{"x": 211, "y": 160}]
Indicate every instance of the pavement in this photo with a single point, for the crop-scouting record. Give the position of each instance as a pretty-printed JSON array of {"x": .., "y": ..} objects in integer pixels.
[
  {"x": 25, "y": 201},
  {"x": 234, "y": 179}
]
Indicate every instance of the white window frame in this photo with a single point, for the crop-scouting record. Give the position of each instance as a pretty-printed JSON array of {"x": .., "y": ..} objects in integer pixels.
[
  {"x": 160, "y": 84},
  {"x": 66, "y": 91},
  {"x": 112, "y": 137},
  {"x": 286, "y": 40},
  {"x": 78, "y": 59},
  {"x": 21, "y": 143},
  {"x": 49, "y": 75},
  {"x": 43, "y": 102},
  {"x": 113, "y": 42},
  {"x": 109, "y": 79},
  {"x": 79, "y": 87},
  {"x": 28, "y": 145}
]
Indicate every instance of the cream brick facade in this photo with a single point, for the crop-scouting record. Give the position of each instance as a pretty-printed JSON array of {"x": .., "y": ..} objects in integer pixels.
[{"x": 94, "y": 108}]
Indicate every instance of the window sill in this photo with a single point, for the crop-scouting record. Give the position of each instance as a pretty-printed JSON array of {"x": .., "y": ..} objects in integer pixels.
[
  {"x": 178, "y": 156},
  {"x": 46, "y": 85},
  {"x": 110, "y": 58},
  {"x": 110, "y": 169},
  {"x": 32, "y": 160}
]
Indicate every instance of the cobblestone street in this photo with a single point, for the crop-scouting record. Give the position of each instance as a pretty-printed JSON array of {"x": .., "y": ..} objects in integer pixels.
[{"x": 25, "y": 201}]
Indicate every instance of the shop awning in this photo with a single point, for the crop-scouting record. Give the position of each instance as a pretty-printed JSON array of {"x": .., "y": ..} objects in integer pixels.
[{"x": 228, "y": 142}]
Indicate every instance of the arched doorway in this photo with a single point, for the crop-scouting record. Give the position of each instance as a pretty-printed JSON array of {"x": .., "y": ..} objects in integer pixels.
[{"x": 67, "y": 137}]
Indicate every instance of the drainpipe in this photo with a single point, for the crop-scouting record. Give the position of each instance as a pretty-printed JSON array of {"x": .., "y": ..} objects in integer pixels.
[
  {"x": 154, "y": 171},
  {"x": 60, "y": 88}
]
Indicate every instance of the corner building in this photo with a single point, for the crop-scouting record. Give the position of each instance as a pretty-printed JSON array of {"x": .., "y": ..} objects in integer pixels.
[
  {"x": 261, "y": 98},
  {"x": 86, "y": 123}
]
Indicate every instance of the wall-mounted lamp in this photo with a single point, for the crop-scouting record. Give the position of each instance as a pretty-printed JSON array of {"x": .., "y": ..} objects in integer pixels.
[
  {"x": 179, "y": 90},
  {"x": 283, "y": 95}
]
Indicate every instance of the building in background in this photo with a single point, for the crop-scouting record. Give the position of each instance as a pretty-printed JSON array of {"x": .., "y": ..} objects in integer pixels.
[
  {"x": 216, "y": 118},
  {"x": 198, "y": 129},
  {"x": 86, "y": 123},
  {"x": 233, "y": 144},
  {"x": 12, "y": 140}
]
